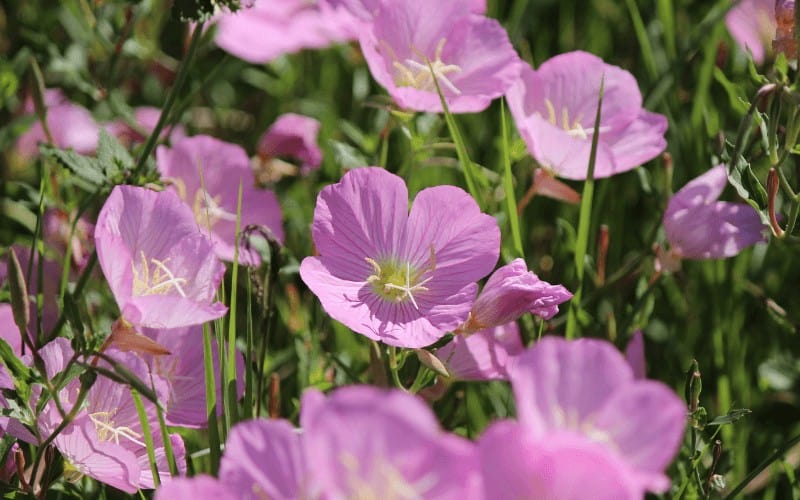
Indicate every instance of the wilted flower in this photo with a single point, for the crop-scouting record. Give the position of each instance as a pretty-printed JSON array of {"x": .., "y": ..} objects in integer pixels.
[
  {"x": 405, "y": 279},
  {"x": 555, "y": 109},
  {"x": 470, "y": 55},
  {"x": 512, "y": 291},
  {"x": 271, "y": 28},
  {"x": 587, "y": 388},
  {"x": 483, "y": 355},
  {"x": 785, "y": 41},
  {"x": 752, "y": 25},
  {"x": 161, "y": 269},
  {"x": 294, "y": 136},
  {"x": 206, "y": 172},
  {"x": 562, "y": 466},
  {"x": 71, "y": 125},
  {"x": 700, "y": 227}
]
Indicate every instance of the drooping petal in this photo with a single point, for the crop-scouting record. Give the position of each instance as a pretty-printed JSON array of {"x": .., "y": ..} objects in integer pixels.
[
  {"x": 752, "y": 25},
  {"x": 483, "y": 355},
  {"x": 295, "y": 136}
]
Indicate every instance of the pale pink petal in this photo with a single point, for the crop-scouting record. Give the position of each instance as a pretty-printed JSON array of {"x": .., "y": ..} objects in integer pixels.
[{"x": 483, "y": 355}]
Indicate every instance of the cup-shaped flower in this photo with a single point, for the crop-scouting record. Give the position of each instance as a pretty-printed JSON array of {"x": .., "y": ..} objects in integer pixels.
[
  {"x": 206, "y": 173},
  {"x": 399, "y": 450},
  {"x": 563, "y": 466},
  {"x": 555, "y": 108},
  {"x": 270, "y": 28},
  {"x": 161, "y": 269},
  {"x": 698, "y": 226},
  {"x": 182, "y": 368},
  {"x": 469, "y": 55},
  {"x": 483, "y": 355},
  {"x": 510, "y": 292},
  {"x": 588, "y": 388},
  {"x": 294, "y": 136},
  {"x": 402, "y": 278},
  {"x": 105, "y": 440},
  {"x": 752, "y": 25}
]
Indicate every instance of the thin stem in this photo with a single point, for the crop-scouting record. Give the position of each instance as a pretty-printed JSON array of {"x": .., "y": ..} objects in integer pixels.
[
  {"x": 763, "y": 465},
  {"x": 148, "y": 436},
  {"x": 183, "y": 73}
]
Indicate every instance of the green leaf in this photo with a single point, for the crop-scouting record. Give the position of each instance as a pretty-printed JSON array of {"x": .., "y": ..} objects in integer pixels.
[
  {"x": 732, "y": 416},
  {"x": 86, "y": 168},
  {"x": 202, "y": 10},
  {"x": 19, "y": 372},
  {"x": 113, "y": 157}
]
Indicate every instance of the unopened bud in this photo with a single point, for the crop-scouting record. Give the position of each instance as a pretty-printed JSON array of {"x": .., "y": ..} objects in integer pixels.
[
  {"x": 694, "y": 385},
  {"x": 428, "y": 359},
  {"x": 773, "y": 184},
  {"x": 20, "y": 303}
]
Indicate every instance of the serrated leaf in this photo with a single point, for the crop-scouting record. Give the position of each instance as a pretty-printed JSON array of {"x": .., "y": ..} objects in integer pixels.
[
  {"x": 731, "y": 417},
  {"x": 88, "y": 169},
  {"x": 113, "y": 156}
]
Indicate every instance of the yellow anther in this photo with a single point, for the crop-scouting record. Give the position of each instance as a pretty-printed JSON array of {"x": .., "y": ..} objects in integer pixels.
[{"x": 158, "y": 282}]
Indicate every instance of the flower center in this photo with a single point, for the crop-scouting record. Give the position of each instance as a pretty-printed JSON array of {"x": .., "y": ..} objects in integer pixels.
[
  {"x": 106, "y": 429},
  {"x": 207, "y": 211},
  {"x": 383, "y": 480},
  {"x": 155, "y": 278},
  {"x": 396, "y": 282},
  {"x": 412, "y": 73},
  {"x": 572, "y": 127}
]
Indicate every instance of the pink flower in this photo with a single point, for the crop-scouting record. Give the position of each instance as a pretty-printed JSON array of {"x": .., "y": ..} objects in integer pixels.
[
  {"x": 206, "y": 173},
  {"x": 105, "y": 440},
  {"x": 72, "y": 126},
  {"x": 399, "y": 450},
  {"x": 587, "y": 388},
  {"x": 483, "y": 355},
  {"x": 200, "y": 486},
  {"x": 404, "y": 279},
  {"x": 752, "y": 25},
  {"x": 161, "y": 269},
  {"x": 471, "y": 55},
  {"x": 510, "y": 292},
  {"x": 271, "y": 28},
  {"x": 634, "y": 354},
  {"x": 366, "y": 9},
  {"x": 182, "y": 369},
  {"x": 146, "y": 118},
  {"x": 561, "y": 467},
  {"x": 555, "y": 107},
  {"x": 700, "y": 227},
  {"x": 294, "y": 136}
]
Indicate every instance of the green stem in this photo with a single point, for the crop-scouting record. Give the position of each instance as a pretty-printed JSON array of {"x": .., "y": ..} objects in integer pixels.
[
  {"x": 183, "y": 72},
  {"x": 508, "y": 186},
  {"x": 584, "y": 223},
  {"x": 763, "y": 465},
  {"x": 211, "y": 400},
  {"x": 148, "y": 436}
]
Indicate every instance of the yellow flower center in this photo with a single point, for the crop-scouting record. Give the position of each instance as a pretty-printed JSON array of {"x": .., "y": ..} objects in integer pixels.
[
  {"x": 107, "y": 430},
  {"x": 396, "y": 282},
  {"x": 573, "y": 127},
  {"x": 153, "y": 277},
  {"x": 417, "y": 74}
]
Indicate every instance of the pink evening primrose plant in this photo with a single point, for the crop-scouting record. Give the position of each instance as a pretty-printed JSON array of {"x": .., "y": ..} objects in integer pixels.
[
  {"x": 483, "y": 355},
  {"x": 555, "y": 107},
  {"x": 402, "y": 278},
  {"x": 470, "y": 55},
  {"x": 698, "y": 226},
  {"x": 267, "y": 29},
  {"x": 161, "y": 269},
  {"x": 294, "y": 136},
  {"x": 205, "y": 172},
  {"x": 587, "y": 388},
  {"x": 399, "y": 451},
  {"x": 752, "y": 25}
]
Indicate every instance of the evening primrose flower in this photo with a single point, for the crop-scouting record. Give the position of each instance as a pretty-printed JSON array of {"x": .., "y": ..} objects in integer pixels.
[
  {"x": 698, "y": 226},
  {"x": 564, "y": 466},
  {"x": 161, "y": 269},
  {"x": 483, "y": 355},
  {"x": 752, "y": 25},
  {"x": 586, "y": 387},
  {"x": 512, "y": 291},
  {"x": 404, "y": 279},
  {"x": 268, "y": 29},
  {"x": 205, "y": 172},
  {"x": 294, "y": 136},
  {"x": 105, "y": 440},
  {"x": 470, "y": 55},
  {"x": 555, "y": 108}
]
